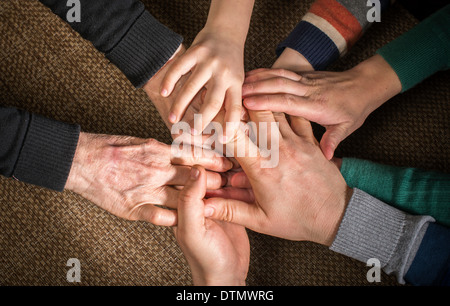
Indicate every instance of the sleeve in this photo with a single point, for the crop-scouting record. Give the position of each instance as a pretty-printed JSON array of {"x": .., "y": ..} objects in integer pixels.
[
  {"x": 35, "y": 149},
  {"x": 372, "y": 229},
  {"x": 413, "y": 190},
  {"x": 422, "y": 51},
  {"x": 129, "y": 36},
  {"x": 329, "y": 29},
  {"x": 431, "y": 265}
]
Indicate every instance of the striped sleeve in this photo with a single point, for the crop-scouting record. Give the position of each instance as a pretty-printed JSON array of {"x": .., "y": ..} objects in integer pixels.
[{"x": 329, "y": 29}]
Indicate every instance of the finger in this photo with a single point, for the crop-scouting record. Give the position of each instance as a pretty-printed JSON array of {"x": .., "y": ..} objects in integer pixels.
[
  {"x": 283, "y": 103},
  {"x": 240, "y": 180},
  {"x": 233, "y": 108},
  {"x": 178, "y": 175},
  {"x": 191, "y": 217},
  {"x": 302, "y": 128},
  {"x": 198, "y": 156},
  {"x": 264, "y": 122},
  {"x": 331, "y": 139},
  {"x": 229, "y": 210},
  {"x": 244, "y": 150},
  {"x": 274, "y": 86},
  {"x": 263, "y": 74},
  {"x": 239, "y": 194},
  {"x": 283, "y": 125},
  {"x": 193, "y": 85},
  {"x": 213, "y": 102},
  {"x": 178, "y": 68},
  {"x": 256, "y": 71},
  {"x": 156, "y": 215}
]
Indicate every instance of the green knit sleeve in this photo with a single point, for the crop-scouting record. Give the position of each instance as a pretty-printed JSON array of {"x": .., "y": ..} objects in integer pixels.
[
  {"x": 410, "y": 189},
  {"x": 422, "y": 51}
]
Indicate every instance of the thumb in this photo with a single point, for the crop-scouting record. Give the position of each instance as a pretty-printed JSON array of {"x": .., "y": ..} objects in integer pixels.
[
  {"x": 234, "y": 211},
  {"x": 331, "y": 139},
  {"x": 190, "y": 201}
]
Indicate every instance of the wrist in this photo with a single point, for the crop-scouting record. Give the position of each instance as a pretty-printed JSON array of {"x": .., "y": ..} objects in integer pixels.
[
  {"x": 292, "y": 60},
  {"x": 329, "y": 220},
  {"x": 74, "y": 179},
  {"x": 378, "y": 79}
]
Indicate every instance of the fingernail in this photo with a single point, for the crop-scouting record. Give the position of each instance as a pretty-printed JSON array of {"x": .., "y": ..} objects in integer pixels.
[
  {"x": 164, "y": 93},
  {"x": 209, "y": 211},
  {"x": 172, "y": 117},
  {"x": 194, "y": 173}
]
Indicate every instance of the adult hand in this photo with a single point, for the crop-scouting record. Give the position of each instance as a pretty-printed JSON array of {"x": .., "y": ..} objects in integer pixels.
[
  {"x": 215, "y": 61},
  {"x": 128, "y": 176},
  {"x": 340, "y": 101},
  {"x": 302, "y": 198},
  {"x": 218, "y": 252}
]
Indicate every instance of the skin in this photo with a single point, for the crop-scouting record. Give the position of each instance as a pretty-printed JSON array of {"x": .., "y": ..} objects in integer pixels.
[
  {"x": 214, "y": 61},
  {"x": 128, "y": 176},
  {"x": 218, "y": 252},
  {"x": 339, "y": 101},
  {"x": 311, "y": 213}
]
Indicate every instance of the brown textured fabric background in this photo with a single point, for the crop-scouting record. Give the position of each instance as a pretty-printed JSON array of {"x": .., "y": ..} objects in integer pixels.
[{"x": 46, "y": 68}]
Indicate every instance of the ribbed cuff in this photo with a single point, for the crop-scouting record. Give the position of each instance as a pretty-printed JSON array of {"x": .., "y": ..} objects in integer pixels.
[
  {"x": 312, "y": 43},
  {"x": 47, "y": 153},
  {"x": 146, "y": 47},
  {"x": 373, "y": 229}
]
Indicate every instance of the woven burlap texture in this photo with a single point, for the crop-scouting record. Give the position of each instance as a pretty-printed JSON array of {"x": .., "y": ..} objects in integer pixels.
[{"x": 47, "y": 68}]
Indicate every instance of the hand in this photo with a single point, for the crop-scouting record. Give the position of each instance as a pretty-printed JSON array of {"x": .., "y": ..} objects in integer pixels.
[
  {"x": 302, "y": 198},
  {"x": 218, "y": 253},
  {"x": 340, "y": 101},
  {"x": 215, "y": 62},
  {"x": 164, "y": 104},
  {"x": 128, "y": 176}
]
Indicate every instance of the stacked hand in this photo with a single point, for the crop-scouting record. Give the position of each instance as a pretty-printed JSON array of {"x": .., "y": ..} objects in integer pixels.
[
  {"x": 312, "y": 195},
  {"x": 128, "y": 176},
  {"x": 340, "y": 101}
]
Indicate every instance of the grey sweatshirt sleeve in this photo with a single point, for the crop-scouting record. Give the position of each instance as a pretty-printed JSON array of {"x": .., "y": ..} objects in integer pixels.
[
  {"x": 128, "y": 35},
  {"x": 373, "y": 229}
]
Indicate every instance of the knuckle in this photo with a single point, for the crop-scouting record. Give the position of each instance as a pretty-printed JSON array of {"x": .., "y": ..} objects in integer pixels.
[
  {"x": 186, "y": 197},
  {"x": 227, "y": 212},
  {"x": 280, "y": 82}
]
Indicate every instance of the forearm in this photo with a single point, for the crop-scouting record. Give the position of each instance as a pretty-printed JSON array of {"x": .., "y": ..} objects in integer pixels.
[
  {"x": 422, "y": 51},
  {"x": 231, "y": 17},
  {"x": 373, "y": 229},
  {"x": 128, "y": 35},
  {"x": 413, "y": 190},
  {"x": 36, "y": 150},
  {"x": 328, "y": 30}
]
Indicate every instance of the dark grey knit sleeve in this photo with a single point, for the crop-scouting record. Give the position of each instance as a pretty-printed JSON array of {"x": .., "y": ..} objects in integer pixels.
[
  {"x": 128, "y": 35},
  {"x": 35, "y": 149},
  {"x": 373, "y": 229}
]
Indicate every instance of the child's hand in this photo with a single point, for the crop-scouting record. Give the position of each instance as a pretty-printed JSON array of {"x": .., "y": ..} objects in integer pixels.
[{"x": 215, "y": 61}]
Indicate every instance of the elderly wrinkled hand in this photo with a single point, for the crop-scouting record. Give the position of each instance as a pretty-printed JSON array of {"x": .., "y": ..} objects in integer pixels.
[{"x": 128, "y": 176}]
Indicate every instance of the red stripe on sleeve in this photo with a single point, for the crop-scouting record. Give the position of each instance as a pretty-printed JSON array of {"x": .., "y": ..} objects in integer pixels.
[{"x": 340, "y": 18}]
